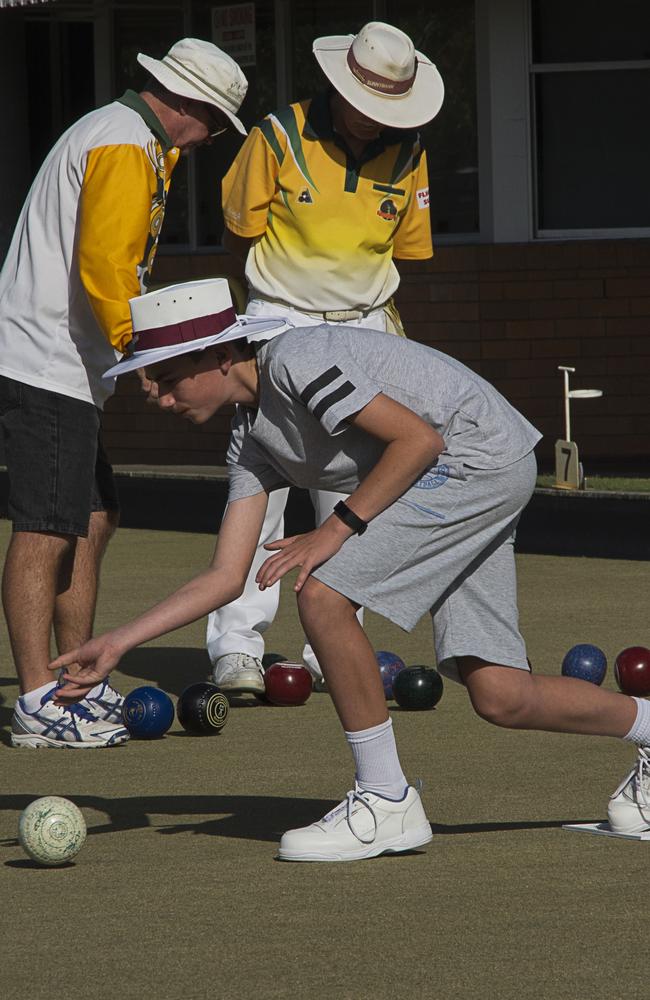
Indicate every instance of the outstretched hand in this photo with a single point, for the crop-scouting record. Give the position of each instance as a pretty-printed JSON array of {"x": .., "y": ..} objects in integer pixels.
[
  {"x": 96, "y": 658},
  {"x": 307, "y": 551}
]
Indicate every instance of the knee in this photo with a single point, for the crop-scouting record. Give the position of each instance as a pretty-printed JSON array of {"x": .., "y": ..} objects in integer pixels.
[
  {"x": 102, "y": 527},
  {"x": 318, "y": 603},
  {"x": 108, "y": 521},
  {"x": 501, "y": 703}
]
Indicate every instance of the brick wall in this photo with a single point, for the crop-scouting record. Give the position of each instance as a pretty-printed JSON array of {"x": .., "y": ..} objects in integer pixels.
[{"x": 513, "y": 313}]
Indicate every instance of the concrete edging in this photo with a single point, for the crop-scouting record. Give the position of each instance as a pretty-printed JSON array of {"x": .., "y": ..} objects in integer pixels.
[{"x": 597, "y": 524}]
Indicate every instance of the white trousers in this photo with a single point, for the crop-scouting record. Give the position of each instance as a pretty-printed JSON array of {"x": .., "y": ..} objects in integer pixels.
[{"x": 238, "y": 627}]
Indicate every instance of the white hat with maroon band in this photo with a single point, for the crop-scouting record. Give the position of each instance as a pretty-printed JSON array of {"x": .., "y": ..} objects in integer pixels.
[
  {"x": 380, "y": 74},
  {"x": 187, "y": 317}
]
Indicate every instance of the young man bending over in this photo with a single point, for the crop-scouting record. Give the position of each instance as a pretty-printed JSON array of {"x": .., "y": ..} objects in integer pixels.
[{"x": 437, "y": 467}]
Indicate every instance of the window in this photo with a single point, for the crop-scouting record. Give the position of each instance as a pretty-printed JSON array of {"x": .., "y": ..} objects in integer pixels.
[
  {"x": 210, "y": 163},
  {"x": 591, "y": 103},
  {"x": 59, "y": 63},
  {"x": 152, "y": 29},
  {"x": 445, "y": 32},
  {"x": 314, "y": 20},
  {"x": 446, "y": 35}
]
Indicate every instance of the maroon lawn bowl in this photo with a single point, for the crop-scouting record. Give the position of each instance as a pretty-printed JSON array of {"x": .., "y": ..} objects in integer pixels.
[
  {"x": 632, "y": 671},
  {"x": 287, "y": 684}
]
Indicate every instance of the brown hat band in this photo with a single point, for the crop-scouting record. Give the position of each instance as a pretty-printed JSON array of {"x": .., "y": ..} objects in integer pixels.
[
  {"x": 186, "y": 330},
  {"x": 381, "y": 84}
]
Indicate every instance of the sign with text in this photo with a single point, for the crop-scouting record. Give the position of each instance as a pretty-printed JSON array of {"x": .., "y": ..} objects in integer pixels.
[
  {"x": 233, "y": 30},
  {"x": 22, "y": 3}
]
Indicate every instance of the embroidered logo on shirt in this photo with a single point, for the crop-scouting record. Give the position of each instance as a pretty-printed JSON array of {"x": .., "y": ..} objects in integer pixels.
[
  {"x": 423, "y": 197},
  {"x": 387, "y": 210},
  {"x": 305, "y": 197}
]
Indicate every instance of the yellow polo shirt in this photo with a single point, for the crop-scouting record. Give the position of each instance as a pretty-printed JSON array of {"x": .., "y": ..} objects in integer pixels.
[{"x": 325, "y": 225}]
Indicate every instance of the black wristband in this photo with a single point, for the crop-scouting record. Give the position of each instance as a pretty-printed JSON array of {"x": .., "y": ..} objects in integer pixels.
[{"x": 350, "y": 518}]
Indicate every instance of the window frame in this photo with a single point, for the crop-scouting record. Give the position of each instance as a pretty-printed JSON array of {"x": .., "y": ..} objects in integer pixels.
[{"x": 536, "y": 70}]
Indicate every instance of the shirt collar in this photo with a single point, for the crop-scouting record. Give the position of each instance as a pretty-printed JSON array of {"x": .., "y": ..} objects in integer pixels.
[
  {"x": 318, "y": 121},
  {"x": 318, "y": 125},
  {"x": 132, "y": 100}
]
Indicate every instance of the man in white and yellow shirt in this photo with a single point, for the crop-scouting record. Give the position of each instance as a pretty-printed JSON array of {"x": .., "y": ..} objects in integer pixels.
[
  {"x": 320, "y": 199},
  {"x": 83, "y": 246}
]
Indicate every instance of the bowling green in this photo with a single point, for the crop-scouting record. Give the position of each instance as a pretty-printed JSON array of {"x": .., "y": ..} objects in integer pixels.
[{"x": 177, "y": 896}]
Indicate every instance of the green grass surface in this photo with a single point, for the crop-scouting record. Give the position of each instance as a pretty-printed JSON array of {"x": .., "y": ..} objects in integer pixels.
[
  {"x": 608, "y": 484},
  {"x": 177, "y": 896}
]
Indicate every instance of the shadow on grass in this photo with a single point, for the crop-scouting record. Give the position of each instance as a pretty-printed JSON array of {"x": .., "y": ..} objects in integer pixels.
[
  {"x": 6, "y": 712},
  {"x": 171, "y": 668},
  {"x": 245, "y": 817},
  {"x": 27, "y": 863},
  {"x": 452, "y": 829}
]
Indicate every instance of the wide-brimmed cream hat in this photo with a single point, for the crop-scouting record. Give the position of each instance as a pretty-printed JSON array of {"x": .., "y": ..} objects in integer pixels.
[
  {"x": 187, "y": 317},
  {"x": 380, "y": 73},
  {"x": 198, "y": 69}
]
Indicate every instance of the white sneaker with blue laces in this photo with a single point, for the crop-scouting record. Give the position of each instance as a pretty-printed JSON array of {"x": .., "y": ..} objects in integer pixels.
[
  {"x": 364, "y": 825},
  {"x": 629, "y": 807},
  {"x": 106, "y": 705},
  {"x": 58, "y": 726}
]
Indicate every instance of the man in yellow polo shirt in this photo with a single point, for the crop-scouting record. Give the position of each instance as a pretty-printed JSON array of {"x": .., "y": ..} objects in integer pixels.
[{"x": 320, "y": 199}]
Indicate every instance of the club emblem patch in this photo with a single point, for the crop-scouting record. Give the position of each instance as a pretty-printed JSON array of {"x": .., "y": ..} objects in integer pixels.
[
  {"x": 305, "y": 197},
  {"x": 387, "y": 210}
]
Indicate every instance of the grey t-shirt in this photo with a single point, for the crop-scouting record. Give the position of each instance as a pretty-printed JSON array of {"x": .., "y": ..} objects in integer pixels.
[{"x": 313, "y": 380}]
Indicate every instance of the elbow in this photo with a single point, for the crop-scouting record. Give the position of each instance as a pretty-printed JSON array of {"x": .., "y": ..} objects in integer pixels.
[
  {"x": 236, "y": 589},
  {"x": 221, "y": 593},
  {"x": 435, "y": 445},
  {"x": 233, "y": 593}
]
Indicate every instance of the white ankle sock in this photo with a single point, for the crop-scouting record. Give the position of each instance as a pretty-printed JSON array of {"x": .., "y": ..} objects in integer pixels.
[
  {"x": 640, "y": 731},
  {"x": 32, "y": 699},
  {"x": 376, "y": 761}
]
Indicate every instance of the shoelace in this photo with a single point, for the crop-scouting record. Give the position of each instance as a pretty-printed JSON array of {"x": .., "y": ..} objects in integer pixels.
[
  {"x": 351, "y": 798},
  {"x": 77, "y": 709},
  {"x": 643, "y": 777}
]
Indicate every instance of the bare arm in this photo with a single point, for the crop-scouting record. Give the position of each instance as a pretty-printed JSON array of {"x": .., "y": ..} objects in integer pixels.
[
  {"x": 216, "y": 586},
  {"x": 411, "y": 446},
  {"x": 238, "y": 246}
]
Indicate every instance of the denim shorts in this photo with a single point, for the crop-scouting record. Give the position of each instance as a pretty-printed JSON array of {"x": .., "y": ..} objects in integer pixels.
[{"x": 57, "y": 468}]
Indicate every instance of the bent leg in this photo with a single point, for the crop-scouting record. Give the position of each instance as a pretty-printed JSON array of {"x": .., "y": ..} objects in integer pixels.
[
  {"x": 345, "y": 655},
  {"x": 323, "y": 501},
  {"x": 516, "y": 699}
]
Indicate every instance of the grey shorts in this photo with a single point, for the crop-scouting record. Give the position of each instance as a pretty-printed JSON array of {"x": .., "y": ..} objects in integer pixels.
[
  {"x": 446, "y": 547},
  {"x": 58, "y": 470}
]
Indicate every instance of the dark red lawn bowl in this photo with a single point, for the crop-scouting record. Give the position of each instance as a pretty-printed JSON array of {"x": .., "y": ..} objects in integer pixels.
[{"x": 287, "y": 684}]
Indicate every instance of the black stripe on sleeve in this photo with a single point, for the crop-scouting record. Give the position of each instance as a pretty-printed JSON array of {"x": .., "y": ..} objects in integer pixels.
[
  {"x": 334, "y": 397},
  {"x": 319, "y": 383}
]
